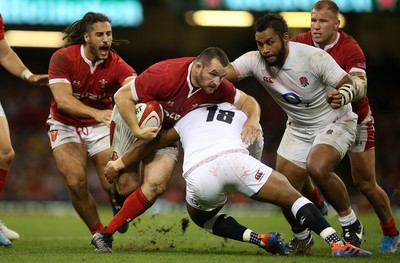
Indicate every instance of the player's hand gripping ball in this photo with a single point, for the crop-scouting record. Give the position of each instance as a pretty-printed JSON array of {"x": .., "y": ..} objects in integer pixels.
[{"x": 149, "y": 114}]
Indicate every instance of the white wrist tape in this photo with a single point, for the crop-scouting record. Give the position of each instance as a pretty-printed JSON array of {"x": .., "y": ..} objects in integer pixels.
[
  {"x": 348, "y": 93},
  {"x": 361, "y": 83},
  {"x": 26, "y": 74},
  {"x": 118, "y": 165}
]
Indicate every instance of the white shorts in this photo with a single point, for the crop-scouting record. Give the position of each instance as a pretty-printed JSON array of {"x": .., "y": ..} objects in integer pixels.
[
  {"x": 2, "y": 111},
  {"x": 365, "y": 137},
  {"x": 96, "y": 138},
  {"x": 297, "y": 141},
  {"x": 122, "y": 138},
  {"x": 208, "y": 183}
]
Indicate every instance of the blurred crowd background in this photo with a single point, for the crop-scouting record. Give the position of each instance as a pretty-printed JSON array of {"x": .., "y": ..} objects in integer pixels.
[{"x": 164, "y": 34}]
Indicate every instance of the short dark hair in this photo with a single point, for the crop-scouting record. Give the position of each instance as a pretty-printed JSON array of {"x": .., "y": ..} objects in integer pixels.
[
  {"x": 210, "y": 53},
  {"x": 274, "y": 21}
]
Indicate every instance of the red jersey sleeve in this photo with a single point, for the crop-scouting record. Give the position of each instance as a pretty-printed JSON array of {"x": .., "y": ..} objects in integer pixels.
[
  {"x": 59, "y": 66},
  {"x": 1, "y": 28},
  {"x": 352, "y": 54}
]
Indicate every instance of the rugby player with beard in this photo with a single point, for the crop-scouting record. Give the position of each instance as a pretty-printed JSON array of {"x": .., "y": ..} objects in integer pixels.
[
  {"x": 324, "y": 33},
  {"x": 315, "y": 93},
  {"x": 180, "y": 85},
  {"x": 83, "y": 77}
]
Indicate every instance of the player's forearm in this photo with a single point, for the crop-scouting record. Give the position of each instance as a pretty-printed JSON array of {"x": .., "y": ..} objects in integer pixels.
[
  {"x": 349, "y": 90},
  {"x": 139, "y": 150},
  {"x": 76, "y": 108},
  {"x": 142, "y": 148},
  {"x": 127, "y": 109},
  {"x": 13, "y": 64},
  {"x": 252, "y": 109},
  {"x": 135, "y": 154}
]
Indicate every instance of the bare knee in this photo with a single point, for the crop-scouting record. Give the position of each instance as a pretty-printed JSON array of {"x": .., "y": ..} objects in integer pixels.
[
  {"x": 321, "y": 162},
  {"x": 364, "y": 179},
  {"x": 76, "y": 184},
  {"x": 6, "y": 158},
  {"x": 126, "y": 187},
  {"x": 154, "y": 189},
  {"x": 317, "y": 171},
  {"x": 365, "y": 186},
  {"x": 75, "y": 179}
]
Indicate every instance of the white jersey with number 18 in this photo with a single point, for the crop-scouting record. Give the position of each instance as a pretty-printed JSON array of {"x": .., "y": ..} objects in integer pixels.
[{"x": 210, "y": 130}]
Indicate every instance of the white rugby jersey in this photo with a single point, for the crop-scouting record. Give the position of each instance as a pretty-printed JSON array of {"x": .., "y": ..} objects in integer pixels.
[
  {"x": 209, "y": 130},
  {"x": 300, "y": 86}
]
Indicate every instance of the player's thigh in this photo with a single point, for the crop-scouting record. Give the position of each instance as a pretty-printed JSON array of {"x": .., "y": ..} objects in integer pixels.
[
  {"x": 293, "y": 172},
  {"x": 332, "y": 143},
  {"x": 71, "y": 160},
  {"x": 158, "y": 170},
  {"x": 207, "y": 185},
  {"x": 159, "y": 167},
  {"x": 365, "y": 136},
  {"x": 323, "y": 159},
  {"x": 295, "y": 146},
  {"x": 278, "y": 191}
]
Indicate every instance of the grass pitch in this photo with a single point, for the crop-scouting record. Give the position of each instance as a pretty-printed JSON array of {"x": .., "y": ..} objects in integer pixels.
[{"x": 167, "y": 237}]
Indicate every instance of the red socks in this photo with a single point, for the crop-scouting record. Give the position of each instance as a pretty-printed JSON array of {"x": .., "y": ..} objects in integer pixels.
[
  {"x": 97, "y": 227},
  {"x": 389, "y": 229},
  {"x": 3, "y": 177},
  {"x": 315, "y": 197},
  {"x": 134, "y": 205}
]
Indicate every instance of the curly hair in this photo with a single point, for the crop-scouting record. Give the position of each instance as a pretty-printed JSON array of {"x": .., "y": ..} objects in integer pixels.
[{"x": 74, "y": 33}]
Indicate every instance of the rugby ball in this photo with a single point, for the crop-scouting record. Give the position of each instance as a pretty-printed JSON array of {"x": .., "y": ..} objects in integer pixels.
[{"x": 149, "y": 114}]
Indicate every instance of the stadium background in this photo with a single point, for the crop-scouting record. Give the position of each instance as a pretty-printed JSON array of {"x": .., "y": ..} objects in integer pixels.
[{"x": 164, "y": 34}]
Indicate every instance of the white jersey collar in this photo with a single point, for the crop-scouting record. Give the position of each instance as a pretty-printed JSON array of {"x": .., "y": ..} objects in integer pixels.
[
  {"x": 92, "y": 67},
  {"x": 330, "y": 45}
]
